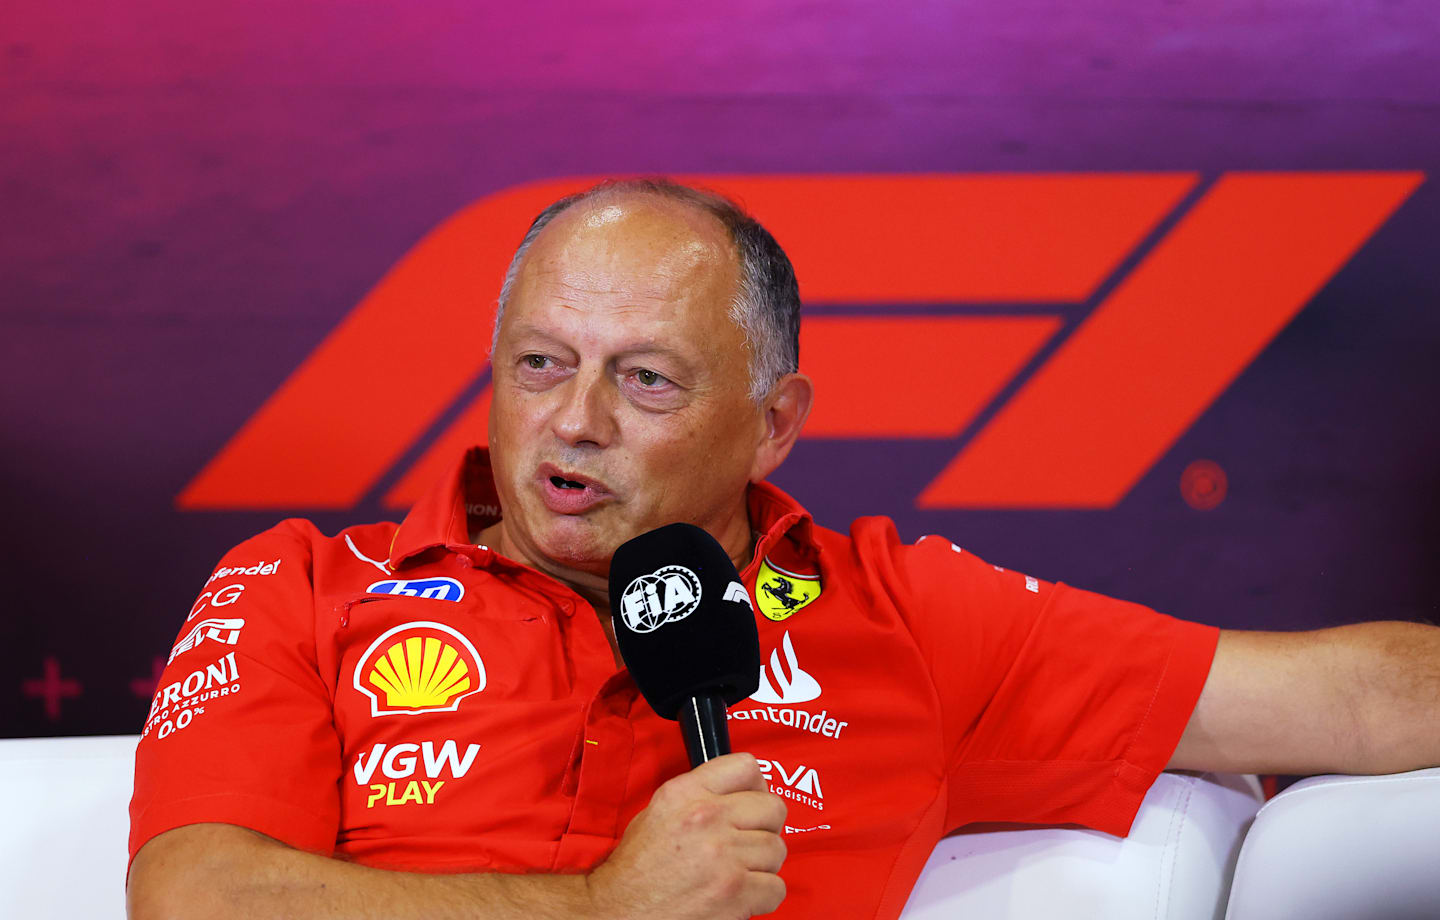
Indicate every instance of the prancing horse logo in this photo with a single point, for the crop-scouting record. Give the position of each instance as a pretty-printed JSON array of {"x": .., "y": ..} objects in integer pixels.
[
  {"x": 780, "y": 592},
  {"x": 780, "y": 588}
]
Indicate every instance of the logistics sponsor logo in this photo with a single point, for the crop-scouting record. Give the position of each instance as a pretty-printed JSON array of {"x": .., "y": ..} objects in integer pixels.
[
  {"x": 177, "y": 704},
  {"x": 259, "y": 568},
  {"x": 419, "y": 667},
  {"x": 399, "y": 762},
  {"x": 799, "y": 785},
  {"x": 439, "y": 589},
  {"x": 226, "y": 632},
  {"x": 785, "y": 684},
  {"x": 220, "y": 597},
  {"x": 668, "y": 594},
  {"x": 782, "y": 592}
]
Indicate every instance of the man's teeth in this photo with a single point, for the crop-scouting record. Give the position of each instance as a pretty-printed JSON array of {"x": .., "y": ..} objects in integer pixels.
[{"x": 566, "y": 483}]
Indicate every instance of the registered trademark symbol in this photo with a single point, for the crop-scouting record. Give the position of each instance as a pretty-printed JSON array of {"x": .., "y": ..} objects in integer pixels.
[{"x": 1203, "y": 485}]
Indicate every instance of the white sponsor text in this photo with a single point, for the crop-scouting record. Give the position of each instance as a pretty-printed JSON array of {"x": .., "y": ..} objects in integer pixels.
[{"x": 226, "y": 632}]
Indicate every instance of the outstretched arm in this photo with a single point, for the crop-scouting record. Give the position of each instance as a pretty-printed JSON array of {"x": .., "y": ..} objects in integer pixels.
[{"x": 1352, "y": 699}]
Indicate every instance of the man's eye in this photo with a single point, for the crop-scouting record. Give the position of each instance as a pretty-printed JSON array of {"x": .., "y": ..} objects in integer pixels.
[
  {"x": 649, "y": 378},
  {"x": 535, "y": 361}
]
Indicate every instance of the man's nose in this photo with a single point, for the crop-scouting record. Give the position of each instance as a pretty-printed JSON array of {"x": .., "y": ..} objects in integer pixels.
[{"x": 586, "y": 412}]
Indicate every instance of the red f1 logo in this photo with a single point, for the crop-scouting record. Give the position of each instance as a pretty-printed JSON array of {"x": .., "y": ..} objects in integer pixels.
[{"x": 1117, "y": 390}]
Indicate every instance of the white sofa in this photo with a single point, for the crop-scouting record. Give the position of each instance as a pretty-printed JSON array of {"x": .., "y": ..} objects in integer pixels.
[
  {"x": 63, "y": 840},
  {"x": 1344, "y": 848},
  {"x": 1327, "y": 848},
  {"x": 1176, "y": 863}
]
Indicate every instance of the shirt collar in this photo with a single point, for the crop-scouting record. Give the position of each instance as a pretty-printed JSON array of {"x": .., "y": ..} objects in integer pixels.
[
  {"x": 464, "y": 501},
  {"x": 787, "y": 531},
  {"x": 444, "y": 516}
]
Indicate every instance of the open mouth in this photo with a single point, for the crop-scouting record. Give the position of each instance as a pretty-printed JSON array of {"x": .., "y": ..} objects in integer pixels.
[{"x": 565, "y": 495}]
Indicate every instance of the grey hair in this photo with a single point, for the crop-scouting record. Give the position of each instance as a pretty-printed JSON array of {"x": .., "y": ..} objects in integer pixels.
[{"x": 766, "y": 305}]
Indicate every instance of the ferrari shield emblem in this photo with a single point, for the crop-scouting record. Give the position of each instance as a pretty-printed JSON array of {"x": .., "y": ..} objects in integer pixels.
[{"x": 780, "y": 592}]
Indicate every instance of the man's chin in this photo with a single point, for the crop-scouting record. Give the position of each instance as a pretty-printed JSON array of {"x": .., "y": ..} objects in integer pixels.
[{"x": 577, "y": 544}]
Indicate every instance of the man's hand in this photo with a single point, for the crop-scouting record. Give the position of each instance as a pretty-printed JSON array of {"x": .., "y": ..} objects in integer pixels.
[{"x": 707, "y": 847}]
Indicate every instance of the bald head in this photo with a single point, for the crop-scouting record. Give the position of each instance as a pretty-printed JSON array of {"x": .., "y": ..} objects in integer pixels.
[
  {"x": 661, "y": 231},
  {"x": 657, "y": 249}
]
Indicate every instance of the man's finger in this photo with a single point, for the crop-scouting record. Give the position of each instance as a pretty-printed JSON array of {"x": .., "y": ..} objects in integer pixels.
[
  {"x": 763, "y": 892},
  {"x": 760, "y": 851},
  {"x": 750, "y": 810},
  {"x": 731, "y": 773}
]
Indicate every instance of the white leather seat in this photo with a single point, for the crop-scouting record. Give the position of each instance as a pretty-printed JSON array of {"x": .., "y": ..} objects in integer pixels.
[
  {"x": 1328, "y": 848},
  {"x": 62, "y": 847},
  {"x": 1176, "y": 864},
  {"x": 1342, "y": 848}
]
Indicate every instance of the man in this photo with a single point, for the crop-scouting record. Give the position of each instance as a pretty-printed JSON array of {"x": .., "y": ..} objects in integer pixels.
[{"x": 430, "y": 720}]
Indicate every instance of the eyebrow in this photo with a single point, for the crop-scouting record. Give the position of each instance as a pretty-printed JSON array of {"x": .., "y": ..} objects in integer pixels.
[{"x": 526, "y": 330}]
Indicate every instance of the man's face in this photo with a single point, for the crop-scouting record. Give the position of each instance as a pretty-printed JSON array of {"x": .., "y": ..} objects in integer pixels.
[{"x": 621, "y": 385}]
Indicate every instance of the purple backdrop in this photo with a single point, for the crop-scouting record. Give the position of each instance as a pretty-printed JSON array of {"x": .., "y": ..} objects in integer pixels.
[{"x": 194, "y": 196}]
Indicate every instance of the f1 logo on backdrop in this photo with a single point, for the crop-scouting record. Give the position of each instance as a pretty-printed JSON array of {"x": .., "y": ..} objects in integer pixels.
[{"x": 1023, "y": 258}]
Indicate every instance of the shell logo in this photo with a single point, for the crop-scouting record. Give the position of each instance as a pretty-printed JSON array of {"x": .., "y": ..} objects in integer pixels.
[{"x": 419, "y": 667}]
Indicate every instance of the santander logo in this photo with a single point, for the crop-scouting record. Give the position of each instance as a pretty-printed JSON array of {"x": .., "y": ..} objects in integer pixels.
[
  {"x": 787, "y": 684},
  {"x": 783, "y": 684}
]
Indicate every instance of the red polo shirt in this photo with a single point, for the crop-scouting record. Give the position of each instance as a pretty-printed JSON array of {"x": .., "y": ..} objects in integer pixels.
[{"x": 400, "y": 697}]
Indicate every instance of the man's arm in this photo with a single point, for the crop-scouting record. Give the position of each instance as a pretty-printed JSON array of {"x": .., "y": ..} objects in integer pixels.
[
  {"x": 707, "y": 846},
  {"x": 1352, "y": 699},
  {"x": 220, "y": 870}
]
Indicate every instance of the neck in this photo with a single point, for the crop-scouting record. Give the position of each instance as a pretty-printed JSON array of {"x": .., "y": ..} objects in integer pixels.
[
  {"x": 739, "y": 543},
  {"x": 595, "y": 589}
]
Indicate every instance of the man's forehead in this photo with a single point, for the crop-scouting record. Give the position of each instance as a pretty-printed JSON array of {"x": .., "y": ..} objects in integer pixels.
[{"x": 633, "y": 243}]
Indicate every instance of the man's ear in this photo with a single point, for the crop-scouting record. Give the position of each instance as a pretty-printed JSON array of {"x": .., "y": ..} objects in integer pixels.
[{"x": 786, "y": 409}]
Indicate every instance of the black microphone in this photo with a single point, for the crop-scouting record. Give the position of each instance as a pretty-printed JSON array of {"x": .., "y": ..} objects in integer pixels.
[{"x": 686, "y": 630}]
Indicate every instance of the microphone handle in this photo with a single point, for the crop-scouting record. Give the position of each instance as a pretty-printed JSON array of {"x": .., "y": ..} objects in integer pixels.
[{"x": 706, "y": 730}]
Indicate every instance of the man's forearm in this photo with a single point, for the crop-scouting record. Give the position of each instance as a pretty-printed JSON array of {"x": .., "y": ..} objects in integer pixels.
[
  {"x": 1351, "y": 699},
  {"x": 1396, "y": 670},
  {"x": 220, "y": 871},
  {"x": 708, "y": 845}
]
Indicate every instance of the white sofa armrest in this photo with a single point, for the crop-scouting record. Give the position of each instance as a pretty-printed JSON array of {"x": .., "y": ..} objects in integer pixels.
[
  {"x": 1344, "y": 847},
  {"x": 1176, "y": 864},
  {"x": 63, "y": 848}
]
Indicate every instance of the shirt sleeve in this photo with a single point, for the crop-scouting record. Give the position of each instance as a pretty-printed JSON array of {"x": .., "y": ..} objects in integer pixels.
[
  {"x": 1060, "y": 706},
  {"x": 240, "y": 730}
]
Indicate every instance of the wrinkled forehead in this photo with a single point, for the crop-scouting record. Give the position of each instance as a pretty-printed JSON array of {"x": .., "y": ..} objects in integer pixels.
[{"x": 633, "y": 245}]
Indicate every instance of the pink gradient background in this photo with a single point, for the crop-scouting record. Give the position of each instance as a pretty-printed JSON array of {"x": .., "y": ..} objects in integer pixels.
[{"x": 194, "y": 195}]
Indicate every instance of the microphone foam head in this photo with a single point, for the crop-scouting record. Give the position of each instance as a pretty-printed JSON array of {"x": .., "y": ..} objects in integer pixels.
[{"x": 683, "y": 620}]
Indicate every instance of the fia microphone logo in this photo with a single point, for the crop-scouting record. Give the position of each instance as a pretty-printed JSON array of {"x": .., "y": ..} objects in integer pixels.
[{"x": 664, "y": 596}]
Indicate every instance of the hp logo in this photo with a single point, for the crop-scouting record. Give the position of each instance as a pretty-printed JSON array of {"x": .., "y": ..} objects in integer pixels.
[{"x": 440, "y": 589}]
